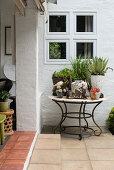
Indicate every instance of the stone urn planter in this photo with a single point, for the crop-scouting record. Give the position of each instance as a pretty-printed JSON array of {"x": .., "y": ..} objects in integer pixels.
[
  {"x": 79, "y": 89},
  {"x": 98, "y": 68},
  {"x": 97, "y": 81}
]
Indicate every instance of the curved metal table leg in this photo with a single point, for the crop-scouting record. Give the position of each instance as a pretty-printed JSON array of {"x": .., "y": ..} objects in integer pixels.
[
  {"x": 95, "y": 122},
  {"x": 63, "y": 116},
  {"x": 86, "y": 126},
  {"x": 80, "y": 135}
]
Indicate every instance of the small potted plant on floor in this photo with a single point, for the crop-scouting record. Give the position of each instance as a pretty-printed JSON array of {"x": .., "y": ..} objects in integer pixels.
[
  {"x": 110, "y": 121},
  {"x": 4, "y": 96},
  {"x": 98, "y": 68}
]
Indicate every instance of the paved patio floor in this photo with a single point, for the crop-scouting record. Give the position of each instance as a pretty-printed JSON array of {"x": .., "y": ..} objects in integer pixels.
[{"x": 55, "y": 152}]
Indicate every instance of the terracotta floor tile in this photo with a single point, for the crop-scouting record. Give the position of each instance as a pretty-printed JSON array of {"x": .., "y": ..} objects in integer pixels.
[
  {"x": 96, "y": 143},
  {"x": 101, "y": 154},
  {"x": 9, "y": 145},
  {"x": 74, "y": 154},
  {"x": 44, "y": 167},
  {"x": 14, "y": 162},
  {"x": 46, "y": 156},
  {"x": 18, "y": 154},
  {"x": 26, "y": 138},
  {"x": 11, "y": 167},
  {"x": 49, "y": 136},
  {"x": 1, "y": 161},
  {"x": 103, "y": 165},
  {"x": 4, "y": 154},
  {"x": 13, "y": 138},
  {"x": 22, "y": 145},
  {"x": 47, "y": 143},
  {"x": 76, "y": 165},
  {"x": 72, "y": 143},
  {"x": 25, "y": 132}
]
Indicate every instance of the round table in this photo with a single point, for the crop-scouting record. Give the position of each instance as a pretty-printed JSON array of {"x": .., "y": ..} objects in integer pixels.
[
  {"x": 81, "y": 114},
  {"x": 8, "y": 121}
]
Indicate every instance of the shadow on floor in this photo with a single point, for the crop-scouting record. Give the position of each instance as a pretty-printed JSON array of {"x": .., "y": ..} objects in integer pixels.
[{"x": 6, "y": 140}]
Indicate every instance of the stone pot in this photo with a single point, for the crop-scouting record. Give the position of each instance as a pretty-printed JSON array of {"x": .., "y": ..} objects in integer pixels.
[
  {"x": 98, "y": 95},
  {"x": 97, "y": 81},
  {"x": 3, "y": 106},
  {"x": 59, "y": 94}
]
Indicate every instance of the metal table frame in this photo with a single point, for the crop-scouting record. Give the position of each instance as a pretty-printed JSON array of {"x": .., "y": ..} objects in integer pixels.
[{"x": 81, "y": 114}]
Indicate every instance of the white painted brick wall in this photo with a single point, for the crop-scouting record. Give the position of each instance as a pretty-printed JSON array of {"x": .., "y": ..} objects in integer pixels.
[
  {"x": 28, "y": 117},
  {"x": 105, "y": 44}
]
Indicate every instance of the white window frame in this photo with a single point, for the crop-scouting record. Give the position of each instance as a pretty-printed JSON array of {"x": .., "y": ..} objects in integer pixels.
[
  {"x": 67, "y": 23},
  {"x": 94, "y": 14},
  {"x": 70, "y": 36},
  {"x": 86, "y": 41},
  {"x": 56, "y": 61}
]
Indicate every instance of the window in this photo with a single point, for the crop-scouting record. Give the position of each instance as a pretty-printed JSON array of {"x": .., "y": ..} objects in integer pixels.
[
  {"x": 85, "y": 23},
  {"x": 57, "y": 50},
  {"x": 58, "y": 23},
  {"x": 66, "y": 37},
  {"x": 85, "y": 48},
  {"x": 57, "y": 43}
]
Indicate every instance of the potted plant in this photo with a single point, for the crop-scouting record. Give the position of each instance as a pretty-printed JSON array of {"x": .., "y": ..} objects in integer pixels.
[
  {"x": 110, "y": 121},
  {"x": 60, "y": 91},
  {"x": 82, "y": 77},
  {"x": 62, "y": 75},
  {"x": 80, "y": 69},
  {"x": 95, "y": 94},
  {"x": 98, "y": 68},
  {"x": 4, "y": 96}
]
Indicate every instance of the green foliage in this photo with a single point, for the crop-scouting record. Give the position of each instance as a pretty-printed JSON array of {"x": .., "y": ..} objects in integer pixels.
[
  {"x": 63, "y": 73},
  {"x": 98, "y": 66},
  {"x": 110, "y": 120},
  {"x": 54, "y": 51},
  {"x": 4, "y": 95},
  {"x": 80, "y": 69}
]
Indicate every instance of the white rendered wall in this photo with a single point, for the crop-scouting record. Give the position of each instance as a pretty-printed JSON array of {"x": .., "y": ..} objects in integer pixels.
[
  {"x": 26, "y": 71},
  {"x": 105, "y": 48}
]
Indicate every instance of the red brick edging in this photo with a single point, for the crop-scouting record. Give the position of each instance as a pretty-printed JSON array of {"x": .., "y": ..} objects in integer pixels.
[{"x": 15, "y": 152}]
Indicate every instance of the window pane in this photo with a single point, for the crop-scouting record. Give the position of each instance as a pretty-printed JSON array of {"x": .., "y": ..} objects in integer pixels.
[
  {"x": 57, "y": 23},
  {"x": 84, "y": 24},
  {"x": 57, "y": 50},
  {"x": 85, "y": 50}
]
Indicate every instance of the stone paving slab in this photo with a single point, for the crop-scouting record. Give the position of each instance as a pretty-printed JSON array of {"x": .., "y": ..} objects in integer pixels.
[{"x": 64, "y": 152}]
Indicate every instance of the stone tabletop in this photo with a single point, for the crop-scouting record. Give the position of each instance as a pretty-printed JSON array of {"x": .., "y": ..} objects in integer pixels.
[{"x": 77, "y": 100}]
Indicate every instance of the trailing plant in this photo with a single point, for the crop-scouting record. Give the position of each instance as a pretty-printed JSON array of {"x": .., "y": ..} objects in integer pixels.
[
  {"x": 4, "y": 95},
  {"x": 98, "y": 66},
  {"x": 80, "y": 69},
  {"x": 110, "y": 121}
]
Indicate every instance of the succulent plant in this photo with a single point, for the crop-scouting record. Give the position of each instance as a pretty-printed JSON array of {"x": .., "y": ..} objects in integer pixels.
[{"x": 98, "y": 66}]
